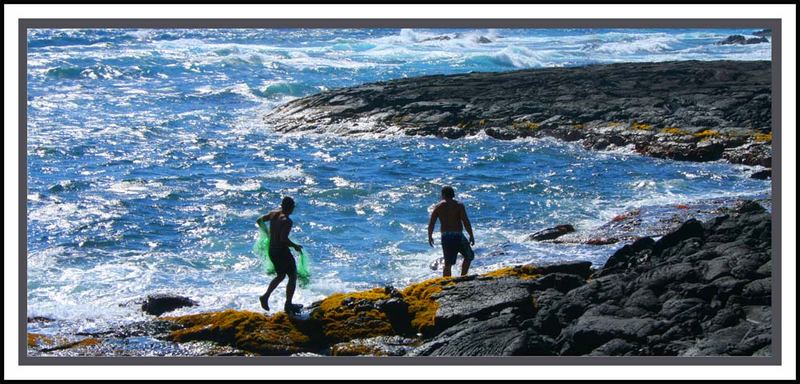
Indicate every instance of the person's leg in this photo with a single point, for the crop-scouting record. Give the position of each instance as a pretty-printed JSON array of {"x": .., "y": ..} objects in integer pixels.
[
  {"x": 264, "y": 299},
  {"x": 290, "y": 285},
  {"x": 465, "y": 266},
  {"x": 466, "y": 251},
  {"x": 276, "y": 255},
  {"x": 450, "y": 251}
]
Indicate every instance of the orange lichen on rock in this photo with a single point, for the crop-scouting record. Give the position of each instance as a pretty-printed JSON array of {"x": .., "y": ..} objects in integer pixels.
[
  {"x": 763, "y": 137},
  {"x": 249, "y": 331},
  {"x": 707, "y": 134},
  {"x": 421, "y": 305},
  {"x": 37, "y": 339},
  {"x": 641, "y": 126},
  {"x": 675, "y": 131},
  {"x": 524, "y": 272},
  {"x": 351, "y": 316}
]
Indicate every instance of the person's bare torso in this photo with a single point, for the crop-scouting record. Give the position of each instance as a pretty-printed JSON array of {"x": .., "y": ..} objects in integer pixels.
[
  {"x": 279, "y": 227},
  {"x": 450, "y": 214}
]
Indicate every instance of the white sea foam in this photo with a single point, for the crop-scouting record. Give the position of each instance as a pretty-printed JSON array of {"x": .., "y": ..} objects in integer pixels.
[{"x": 247, "y": 185}]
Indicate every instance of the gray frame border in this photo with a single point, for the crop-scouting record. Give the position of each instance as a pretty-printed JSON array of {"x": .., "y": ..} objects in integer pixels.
[{"x": 773, "y": 24}]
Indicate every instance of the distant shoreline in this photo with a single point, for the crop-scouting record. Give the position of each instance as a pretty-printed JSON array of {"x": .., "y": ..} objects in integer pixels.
[{"x": 681, "y": 110}]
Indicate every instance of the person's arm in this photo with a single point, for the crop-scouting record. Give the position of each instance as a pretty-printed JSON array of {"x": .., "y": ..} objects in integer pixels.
[
  {"x": 467, "y": 224},
  {"x": 285, "y": 236},
  {"x": 260, "y": 221},
  {"x": 432, "y": 223}
]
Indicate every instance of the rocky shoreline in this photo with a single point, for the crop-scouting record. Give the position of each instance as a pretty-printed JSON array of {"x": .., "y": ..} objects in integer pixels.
[
  {"x": 687, "y": 110},
  {"x": 703, "y": 289}
]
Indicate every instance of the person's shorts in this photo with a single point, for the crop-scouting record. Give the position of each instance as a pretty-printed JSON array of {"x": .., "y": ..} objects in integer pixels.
[
  {"x": 283, "y": 260},
  {"x": 454, "y": 243}
]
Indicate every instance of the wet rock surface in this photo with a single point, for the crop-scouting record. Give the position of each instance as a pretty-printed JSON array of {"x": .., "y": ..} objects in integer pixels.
[
  {"x": 159, "y": 304},
  {"x": 739, "y": 39},
  {"x": 688, "y": 110},
  {"x": 651, "y": 221},
  {"x": 552, "y": 233}
]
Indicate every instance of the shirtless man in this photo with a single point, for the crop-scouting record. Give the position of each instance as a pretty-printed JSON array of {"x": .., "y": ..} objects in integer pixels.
[
  {"x": 279, "y": 227},
  {"x": 451, "y": 213}
]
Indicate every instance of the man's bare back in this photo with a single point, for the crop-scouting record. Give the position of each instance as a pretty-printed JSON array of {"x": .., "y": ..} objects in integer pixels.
[
  {"x": 450, "y": 214},
  {"x": 453, "y": 219}
]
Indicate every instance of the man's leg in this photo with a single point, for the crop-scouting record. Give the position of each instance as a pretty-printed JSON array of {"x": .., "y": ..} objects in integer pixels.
[
  {"x": 447, "y": 270},
  {"x": 264, "y": 299},
  {"x": 290, "y": 286},
  {"x": 465, "y": 266}
]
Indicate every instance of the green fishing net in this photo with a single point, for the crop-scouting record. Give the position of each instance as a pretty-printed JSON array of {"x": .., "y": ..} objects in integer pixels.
[{"x": 261, "y": 249}]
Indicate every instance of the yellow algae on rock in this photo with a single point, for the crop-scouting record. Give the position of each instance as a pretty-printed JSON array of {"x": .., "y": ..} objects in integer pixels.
[
  {"x": 37, "y": 339},
  {"x": 421, "y": 306},
  {"x": 707, "y": 134},
  {"x": 524, "y": 272},
  {"x": 763, "y": 137},
  {"x": 249, "y": 331},
  {"x": 675, "y": 131},
  {"x": 641, "y": 126},
  {"x": 351, "y": 316}
]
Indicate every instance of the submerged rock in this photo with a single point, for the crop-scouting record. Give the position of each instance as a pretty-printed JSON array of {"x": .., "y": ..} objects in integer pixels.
[
  {"x": 552, "y": 233},
  {"x": 763, "y": 32},
  {"x": 160, "y": 303},
  {"x": 762, "y": 175},
  {"x": 739, "y": 39}
]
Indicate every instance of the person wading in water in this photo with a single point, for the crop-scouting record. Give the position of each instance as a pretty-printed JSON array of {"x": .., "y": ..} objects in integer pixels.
[
  {"x": 279, "y": 227},
  {"x": 452, "y": 214}
]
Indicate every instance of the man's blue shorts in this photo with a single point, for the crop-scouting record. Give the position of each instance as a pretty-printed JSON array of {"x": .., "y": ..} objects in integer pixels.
[{"x": 454, "y": 243}]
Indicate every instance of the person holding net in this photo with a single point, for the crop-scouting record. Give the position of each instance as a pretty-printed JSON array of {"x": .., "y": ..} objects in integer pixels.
[{"x": 275, "y": 246}]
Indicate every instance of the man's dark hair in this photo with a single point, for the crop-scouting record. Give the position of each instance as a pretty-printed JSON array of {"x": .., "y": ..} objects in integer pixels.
[
  {"x": 287, "y": 203},
  {"x": 448, "y": 192}
]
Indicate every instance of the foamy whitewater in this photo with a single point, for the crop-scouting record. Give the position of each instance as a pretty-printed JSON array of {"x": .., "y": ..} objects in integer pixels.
[{"x": 148, "y": 162}]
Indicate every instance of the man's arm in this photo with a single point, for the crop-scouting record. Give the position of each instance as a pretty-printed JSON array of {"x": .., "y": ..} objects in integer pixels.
[
  {"x": 432, "y": 223},
  {"x": 260, "y": 221},
  {"x": 467, "y": 224},
  {"x": 285, "y": 236}
]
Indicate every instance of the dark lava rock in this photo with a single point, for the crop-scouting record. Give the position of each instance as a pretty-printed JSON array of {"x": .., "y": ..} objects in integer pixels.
[
  {"x": 590, "y": 332},
  {"x": 160, "y": 303},
  {"x": 39, "y": 319},
  {"x": 580, "y": 268},
  {"x": 625, "y": 104},
  {"x": 552, "y": 233},
  {"x": 616, "y": 347},
  {"x": 701, "y": 290},
  {"x": 496, "y": 336},
  {"x": 396, "y": 309},
  {"x": 375, "y": 346},
  {"x": 479, "y": 298},
  {"x": 762, "y": 175},
  {"x": 763, "y": 33},
  {"x": 562, "y": 282},
  {"x": 758, "y": 291},
  {"x": 739, "y": 39}
]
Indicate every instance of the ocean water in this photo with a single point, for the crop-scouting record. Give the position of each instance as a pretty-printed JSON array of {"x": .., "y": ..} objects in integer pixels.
[{"x": 148, "y": 162}]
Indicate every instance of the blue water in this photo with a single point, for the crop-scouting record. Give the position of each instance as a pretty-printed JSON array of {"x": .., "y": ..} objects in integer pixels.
[{"x": 148, "y": 162}]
